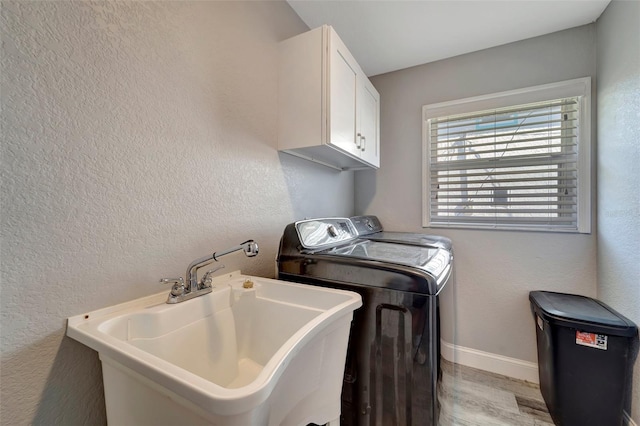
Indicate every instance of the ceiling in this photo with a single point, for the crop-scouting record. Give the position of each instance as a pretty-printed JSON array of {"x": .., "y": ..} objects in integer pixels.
[{"x": 389, "y": 35}]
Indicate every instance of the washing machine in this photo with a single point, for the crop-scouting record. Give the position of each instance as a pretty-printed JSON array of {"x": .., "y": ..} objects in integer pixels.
[{"x": 391, "y": 370}]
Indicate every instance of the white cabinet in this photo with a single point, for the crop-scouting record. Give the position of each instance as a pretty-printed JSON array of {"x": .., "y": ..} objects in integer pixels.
[{"x": 329, "y": 112}]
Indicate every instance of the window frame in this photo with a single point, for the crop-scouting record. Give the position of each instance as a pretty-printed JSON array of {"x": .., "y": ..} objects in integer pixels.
[{"x": 580, "y": 88}]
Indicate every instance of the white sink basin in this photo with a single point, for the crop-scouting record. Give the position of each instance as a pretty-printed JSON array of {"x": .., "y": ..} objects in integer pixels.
[{"x": 273, "y": 354}]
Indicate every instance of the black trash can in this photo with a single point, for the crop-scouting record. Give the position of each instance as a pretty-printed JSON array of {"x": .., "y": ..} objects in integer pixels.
[{"x": 586, "y": 352}]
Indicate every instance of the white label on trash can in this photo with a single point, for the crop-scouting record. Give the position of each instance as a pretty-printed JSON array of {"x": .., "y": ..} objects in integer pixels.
[{"x": 592, "y": 340}]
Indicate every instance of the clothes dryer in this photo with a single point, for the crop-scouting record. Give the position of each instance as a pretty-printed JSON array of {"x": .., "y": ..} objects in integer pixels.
[{"x": 369, "y": 227}]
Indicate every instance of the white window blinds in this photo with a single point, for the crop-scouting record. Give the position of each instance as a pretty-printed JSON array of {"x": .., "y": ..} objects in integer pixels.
[{"x": 513, "y": 167}]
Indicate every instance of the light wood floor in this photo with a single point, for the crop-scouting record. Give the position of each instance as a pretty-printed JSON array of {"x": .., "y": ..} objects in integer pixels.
[{"x": 470, "y": 397}]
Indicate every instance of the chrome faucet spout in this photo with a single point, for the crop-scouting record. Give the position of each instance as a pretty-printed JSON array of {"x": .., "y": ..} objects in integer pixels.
[
  {"x": 192, "y": 287},
  {"x": 249, "y": 247},
  {"x": 192, "y": 271}
]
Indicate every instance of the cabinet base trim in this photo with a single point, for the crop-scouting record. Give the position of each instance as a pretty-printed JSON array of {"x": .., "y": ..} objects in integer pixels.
[{"x": 315, "y": 160}]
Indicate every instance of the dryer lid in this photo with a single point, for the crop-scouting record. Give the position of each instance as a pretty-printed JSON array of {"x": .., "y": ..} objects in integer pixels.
[
  {"x": 412, "y": 238},
  {"x": 430, "y": 259}
]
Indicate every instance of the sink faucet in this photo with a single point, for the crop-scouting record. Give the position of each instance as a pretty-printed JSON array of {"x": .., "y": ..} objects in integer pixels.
[{"x": 181, "y": 291}]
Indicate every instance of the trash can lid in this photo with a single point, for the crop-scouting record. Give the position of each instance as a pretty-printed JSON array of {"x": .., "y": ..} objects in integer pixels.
[{"x": 584, "y": 313}]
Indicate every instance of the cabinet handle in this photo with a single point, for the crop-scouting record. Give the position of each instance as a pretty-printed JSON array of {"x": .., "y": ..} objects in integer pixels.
[
  {"x": 358, "y": 141},
  {"x": 364, "y": 143}
]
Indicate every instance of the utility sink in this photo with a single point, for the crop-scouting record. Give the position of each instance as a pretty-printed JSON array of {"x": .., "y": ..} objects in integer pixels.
[{"x": 271, "y": 354}]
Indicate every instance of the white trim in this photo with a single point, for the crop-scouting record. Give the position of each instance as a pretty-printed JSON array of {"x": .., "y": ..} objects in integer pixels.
[
  {"x": 629, "y": 421},
  {"x": 494, "y": 363},
  {"x": 544, "y": 92},
  {"x": 584, "y": 161},
  {"x": 426, "y": 159},
  {"x": 579, "y": 87}
]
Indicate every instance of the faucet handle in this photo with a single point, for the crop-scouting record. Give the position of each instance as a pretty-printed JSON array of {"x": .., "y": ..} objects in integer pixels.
[
  {"x": 207, "y": 279},
  {"x": 178, "y": 285},
  {"x": 172, "y": 280}
]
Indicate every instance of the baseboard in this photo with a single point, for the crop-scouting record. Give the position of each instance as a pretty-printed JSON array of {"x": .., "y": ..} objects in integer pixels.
[
  {"x": 506, "y": 366},
  {"x": 628, "y": 420}
]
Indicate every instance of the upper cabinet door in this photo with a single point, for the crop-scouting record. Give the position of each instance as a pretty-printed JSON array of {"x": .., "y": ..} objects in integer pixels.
[
  {"x": 343, "y": 88},
  {"x": 369, "y": 122}
]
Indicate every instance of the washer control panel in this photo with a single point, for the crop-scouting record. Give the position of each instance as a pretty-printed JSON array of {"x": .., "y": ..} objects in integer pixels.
[
  {"x": 316, "y": 234},
  {"x": 366, "y": 225}
]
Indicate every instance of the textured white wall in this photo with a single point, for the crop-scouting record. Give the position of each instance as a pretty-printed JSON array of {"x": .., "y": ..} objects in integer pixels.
[
  {"x": 136, "y": 136},
  {"x": 619, "y": 165},
  {"x": 495, "y": 270}
]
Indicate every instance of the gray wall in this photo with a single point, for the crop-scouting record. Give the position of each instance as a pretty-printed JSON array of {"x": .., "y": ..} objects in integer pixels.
[
  {"x": 495, "y": 270},
  {"x": 136, "y": 137},
  {"x": 619, "y": 164}
]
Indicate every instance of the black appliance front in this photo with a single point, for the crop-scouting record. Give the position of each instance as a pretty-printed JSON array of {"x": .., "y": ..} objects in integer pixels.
[{"x": 392, "y": 363}]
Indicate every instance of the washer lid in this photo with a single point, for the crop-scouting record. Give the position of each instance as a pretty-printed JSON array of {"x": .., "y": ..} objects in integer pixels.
[
  {"x": 431, "y": 259},
  {"x": 580, "y": 312}
]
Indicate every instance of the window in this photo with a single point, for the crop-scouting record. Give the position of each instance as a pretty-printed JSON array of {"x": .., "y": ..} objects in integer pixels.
[{"x": 512, "y": 160}]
